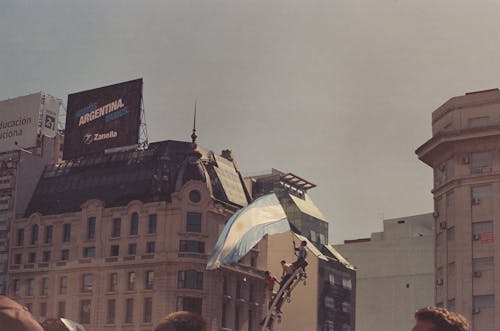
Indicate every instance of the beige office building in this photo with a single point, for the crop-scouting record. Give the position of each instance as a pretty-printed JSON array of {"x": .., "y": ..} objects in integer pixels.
[
  {"x": 117, "y": 241},
  {"x": 464, "y": 152},
  {"x": 394, "y": 272}
]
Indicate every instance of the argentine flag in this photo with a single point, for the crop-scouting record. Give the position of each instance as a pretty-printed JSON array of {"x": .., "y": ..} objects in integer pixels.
[{"x": 246, "y": 228}]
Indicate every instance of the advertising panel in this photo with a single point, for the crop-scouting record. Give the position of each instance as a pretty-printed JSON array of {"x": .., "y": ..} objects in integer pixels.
[
  {"x": 19, "y": 122},
  {"x": 50, "y": 114},
  {"x": 102, "y": 118}
]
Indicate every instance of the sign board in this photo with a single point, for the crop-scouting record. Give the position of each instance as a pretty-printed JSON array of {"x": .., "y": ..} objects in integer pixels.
[
  {"x": 19, "y": 122},
  {"x": 50, "y": 115},
  {"x": 102, "y": 118}
]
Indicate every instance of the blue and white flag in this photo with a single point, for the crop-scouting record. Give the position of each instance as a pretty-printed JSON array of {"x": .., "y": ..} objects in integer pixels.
[{"x": 246, "y": 228}]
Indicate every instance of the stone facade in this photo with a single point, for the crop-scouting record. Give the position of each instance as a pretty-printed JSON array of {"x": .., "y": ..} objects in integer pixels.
[{"x": 464, "y": 155}]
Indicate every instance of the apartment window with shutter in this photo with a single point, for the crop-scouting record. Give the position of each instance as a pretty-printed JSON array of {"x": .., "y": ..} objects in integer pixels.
[{"x": 482, "y": 232}]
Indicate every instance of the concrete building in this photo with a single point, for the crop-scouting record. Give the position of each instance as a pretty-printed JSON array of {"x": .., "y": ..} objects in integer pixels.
[
  {"x": 21, "y": 166},
  {"x": 394, "y": 273},
  {"x": 464, "y": 155}
]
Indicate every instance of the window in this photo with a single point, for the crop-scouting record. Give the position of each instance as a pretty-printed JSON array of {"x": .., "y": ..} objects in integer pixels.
[
  {"x": 451, "y": 305},
  {"x": 328, "y": 326},
  {"x": 250, "y": 292},
  {"x": 483, "y": 301},
  {"x": 110, "y": 317},
  {"x": 88, "y": 251},
  {"x": 63, "y": 285},
  {"x": 152, "y": 223},
  {"x": 32, "y": 257},
  {"x": 87, "y": 280},
  {"x": 115, "y": 231},
  {"x": 46, "y": 256},
  {"x": 43, "y": 309},
  {"x": 450, "y": 199},
  {"x": 20, "y": 237},
  {"x": 34, "y": 234},
  {"x": 237, "y": 318},
  {"x": 238, "y": 289},
  {"x": 477, "y": 122},
  {"x": 450, "y": 234},
  {"x": 480, "y": 192},
  {"x": 18, "y": 258},
  {"x": 45, "y": 286},
  {"x": 66, "y": 232},
  {"x": 346, "y": 283},
  {"x": 439, "y": 276},
  {"x": 190, "y": 279},
  {"x": 192, "y": 246},
  {"x": 65, "y": 254},
  {"x": 132, "y": 249},
  {"x": 115, "y": 250},
  {"x": 129, "y": 310},
  {"x": 250, "y": 319},
  {"x": 329, "y": 302},
  {"x": 85, "y": 311},
  {"x": 149, "y": 280},
  {"x": 148, "y": 310},
  {"x": 190, "y": 304},
  {"x": 482, "y": 264},
  {"x": 322, "y": 239},
  {"x": 91, "y": 228},
  {"x": 452, "y": 269},
  {"x": 150, "y": 247},
  {"x": 439, "y": 239},
  {"x": 16, "y": 286},
  {"x": 195, "y": 196},
  {"x": 134, "y": 224},
  {"x": 482, "y": 231},
  {"x": 61, "y": 309},
  {"x": 131, "y": 281},
  {"x": 480, "y": 160},
  {"x": 48, "y": 234},
  {"x": 113, "y": 282},
  {"x": 224, "y": 314},
  {"x": 193, "y": 222},
  {"x": 29, "y": 287}
]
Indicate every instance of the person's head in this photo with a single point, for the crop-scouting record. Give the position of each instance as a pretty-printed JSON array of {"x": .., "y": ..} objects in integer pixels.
[
  {"x": 54, "y": 324},
  {"x": 13, "y": 316},
  {"x": 439, "y": 319},
  {"x": 182, "y": 321},
  {"x": 283, "y": 262},
  {"x": 303, "y": 243}
]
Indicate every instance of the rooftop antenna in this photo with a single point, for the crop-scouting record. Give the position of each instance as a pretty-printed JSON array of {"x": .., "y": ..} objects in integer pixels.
[{"x": 193, "y": 135}]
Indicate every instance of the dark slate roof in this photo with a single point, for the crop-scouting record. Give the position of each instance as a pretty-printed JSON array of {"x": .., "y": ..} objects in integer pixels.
[{"x": 146, "y": 175}]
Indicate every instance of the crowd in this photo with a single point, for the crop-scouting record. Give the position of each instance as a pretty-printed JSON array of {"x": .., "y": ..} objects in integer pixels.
[{"x": 14, "y": 317}]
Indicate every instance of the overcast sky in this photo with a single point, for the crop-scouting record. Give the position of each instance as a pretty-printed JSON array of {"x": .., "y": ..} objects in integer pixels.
[{"x": 337, "y": 92}]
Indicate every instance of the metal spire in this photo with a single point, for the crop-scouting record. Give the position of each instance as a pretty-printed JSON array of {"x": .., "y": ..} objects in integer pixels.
[{"x": 193, "y": 135}]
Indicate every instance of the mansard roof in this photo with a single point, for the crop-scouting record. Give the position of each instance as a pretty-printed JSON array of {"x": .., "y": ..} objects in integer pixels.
[{"x": 152, "y": 174}]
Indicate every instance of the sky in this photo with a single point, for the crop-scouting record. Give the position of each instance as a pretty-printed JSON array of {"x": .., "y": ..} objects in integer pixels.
[{"x": 338, "y": 92}]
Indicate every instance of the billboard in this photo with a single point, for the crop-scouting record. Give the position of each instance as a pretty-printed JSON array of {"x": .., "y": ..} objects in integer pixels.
[
  {"x": 19, "y": 122},
  {"x": 102, "y": 118}
]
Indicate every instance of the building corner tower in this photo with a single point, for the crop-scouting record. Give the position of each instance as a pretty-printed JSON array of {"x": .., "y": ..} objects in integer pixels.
[{"x": 464, "y": 153}]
